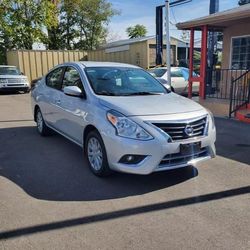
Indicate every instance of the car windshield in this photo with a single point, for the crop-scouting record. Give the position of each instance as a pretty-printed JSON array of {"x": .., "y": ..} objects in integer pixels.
[
  {"x": 122, "y": 81},
  {"x": 157, "y": 72},
  {"x": 185, "y": 72},
  {"x": 9, "y": 71}
]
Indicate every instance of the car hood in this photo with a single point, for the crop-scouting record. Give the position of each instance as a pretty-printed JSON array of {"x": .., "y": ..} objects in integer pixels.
[
  {"x": 150, "y": 105},
  {"x": 13, "y": 77}
]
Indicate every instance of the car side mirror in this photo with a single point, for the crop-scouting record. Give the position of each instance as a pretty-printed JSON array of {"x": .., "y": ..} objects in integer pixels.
[{"x": 73, "y": 91}]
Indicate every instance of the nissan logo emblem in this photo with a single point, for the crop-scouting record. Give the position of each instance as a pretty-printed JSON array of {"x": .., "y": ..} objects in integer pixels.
[{"x": 189, "y": 130}]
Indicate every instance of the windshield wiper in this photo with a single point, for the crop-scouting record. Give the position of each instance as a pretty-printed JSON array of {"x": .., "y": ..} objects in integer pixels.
[
  {"x": 146, "y": 93},
  {"x": 104, "y": 92}
]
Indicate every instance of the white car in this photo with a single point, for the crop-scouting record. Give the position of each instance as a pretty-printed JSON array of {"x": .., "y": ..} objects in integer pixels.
[
  {"x": 179, "y": 79},
  {"x": 11, "y": 79},
  {"x": 123, "y": 118}
]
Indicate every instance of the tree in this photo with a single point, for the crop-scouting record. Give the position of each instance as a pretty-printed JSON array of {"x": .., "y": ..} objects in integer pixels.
[
  {"x": 82, "y": 24},
  {"x": 59, "y": 24},
  {"x": 53, "y": 39},
  {"x": 93, "y": 17},
  {"x": 242, "y": 2},
  {"x": 23, "y": 21},
  {"x": 136, "y": 31}
]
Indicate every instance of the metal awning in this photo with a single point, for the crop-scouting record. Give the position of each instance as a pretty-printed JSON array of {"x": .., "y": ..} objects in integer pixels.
[{"x": 219, "y": 20}]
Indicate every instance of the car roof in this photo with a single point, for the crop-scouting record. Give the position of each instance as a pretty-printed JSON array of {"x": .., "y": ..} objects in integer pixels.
[
  {"x": 166, "y": 68},
  {"x": 105, "y": 64}
]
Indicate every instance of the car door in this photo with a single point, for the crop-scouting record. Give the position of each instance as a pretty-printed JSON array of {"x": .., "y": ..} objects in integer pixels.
[
  {"x": 195, "y": 85},
  {"x": 178, "y": 81},
  {"x": 50, "y": 103},
  {"x": 72, "y": 113}
]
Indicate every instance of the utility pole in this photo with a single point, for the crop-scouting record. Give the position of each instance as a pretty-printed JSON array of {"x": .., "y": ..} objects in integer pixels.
[
  {"x": 168, "y": 48},
  {"x": 167, "y": 5}
]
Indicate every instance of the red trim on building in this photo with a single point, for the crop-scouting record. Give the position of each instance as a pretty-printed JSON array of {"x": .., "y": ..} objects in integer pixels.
[{"x": 203, "y": 63}]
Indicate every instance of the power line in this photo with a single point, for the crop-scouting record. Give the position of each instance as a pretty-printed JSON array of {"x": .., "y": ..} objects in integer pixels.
[{"x": 173, "y": 16}]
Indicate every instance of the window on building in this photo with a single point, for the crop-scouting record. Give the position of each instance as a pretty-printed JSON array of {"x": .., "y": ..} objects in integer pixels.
[{"x": 241, "y": 52}]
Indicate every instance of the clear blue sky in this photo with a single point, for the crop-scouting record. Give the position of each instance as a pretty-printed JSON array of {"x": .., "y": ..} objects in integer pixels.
[{"x": 143, "y": 12}]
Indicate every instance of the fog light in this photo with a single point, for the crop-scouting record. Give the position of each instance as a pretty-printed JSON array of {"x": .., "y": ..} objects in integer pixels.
[{"x": 132, "y": 159}]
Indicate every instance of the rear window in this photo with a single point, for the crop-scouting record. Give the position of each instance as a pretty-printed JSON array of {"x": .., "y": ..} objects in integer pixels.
[{"x": 157, "y": 72}]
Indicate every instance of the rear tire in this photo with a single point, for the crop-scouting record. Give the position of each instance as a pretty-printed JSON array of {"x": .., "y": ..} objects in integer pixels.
[
  {"x": 96, "y": 154},
  {"x": 42, "y": 128}
]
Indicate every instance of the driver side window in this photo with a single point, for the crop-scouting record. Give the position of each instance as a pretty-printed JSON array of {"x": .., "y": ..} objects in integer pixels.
[{"x": 71, "y": 78}]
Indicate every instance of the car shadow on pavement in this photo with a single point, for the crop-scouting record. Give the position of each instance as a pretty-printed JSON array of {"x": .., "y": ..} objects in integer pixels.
[
  {"x": 53, "y": 168},
  {"x": 233, "y": 140}
]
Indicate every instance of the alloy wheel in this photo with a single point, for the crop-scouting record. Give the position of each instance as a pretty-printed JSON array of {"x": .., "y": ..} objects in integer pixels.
[{"x": 95, "y": 154}]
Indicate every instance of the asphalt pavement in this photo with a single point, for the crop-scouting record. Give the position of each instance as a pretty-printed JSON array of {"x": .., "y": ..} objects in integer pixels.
[{"x": 50, "y": 200}]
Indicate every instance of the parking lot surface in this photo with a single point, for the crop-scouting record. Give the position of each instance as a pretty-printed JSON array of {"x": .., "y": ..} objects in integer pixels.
[{"x": 50, "y": 200}]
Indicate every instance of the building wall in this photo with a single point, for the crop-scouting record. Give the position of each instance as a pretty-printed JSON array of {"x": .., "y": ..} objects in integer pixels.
[
  {"x": 135, "y": 53},
  {"x": 152, "y": 52},
  {"x": 140, "y": 53},
  {"x": 228, "y": 33},
  {"x": 36, "y": 63}
]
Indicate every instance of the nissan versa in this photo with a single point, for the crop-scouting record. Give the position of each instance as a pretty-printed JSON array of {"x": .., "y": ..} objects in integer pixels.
[{"x": 123, "y": 118}]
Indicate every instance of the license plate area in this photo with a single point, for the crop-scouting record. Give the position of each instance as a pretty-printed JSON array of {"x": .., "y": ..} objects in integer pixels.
[{"x": 190, "y": 148}]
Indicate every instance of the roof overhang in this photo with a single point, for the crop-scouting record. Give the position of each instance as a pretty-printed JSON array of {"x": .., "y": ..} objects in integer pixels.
[{"x": 220, "y": 20}]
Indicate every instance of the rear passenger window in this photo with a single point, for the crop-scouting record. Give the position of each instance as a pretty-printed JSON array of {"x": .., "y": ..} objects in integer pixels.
[
  {"x": 176, "y": 73},
  {"x": 53, "y": 79},
  {"x": 71, "y": 78}
]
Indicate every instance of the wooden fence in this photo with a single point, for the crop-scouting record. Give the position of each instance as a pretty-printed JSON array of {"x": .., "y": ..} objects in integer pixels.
[{"x": 36, "y": 63}]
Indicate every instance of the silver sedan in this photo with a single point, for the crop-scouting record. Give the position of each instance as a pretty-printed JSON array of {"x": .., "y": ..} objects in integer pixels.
[{"x": 123, "y": 118}]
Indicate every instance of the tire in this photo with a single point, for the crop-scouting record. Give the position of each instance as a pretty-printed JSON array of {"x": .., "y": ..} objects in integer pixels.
[
  {"x": 96, "y": 154},
  {"x": 42, "y": 128}
]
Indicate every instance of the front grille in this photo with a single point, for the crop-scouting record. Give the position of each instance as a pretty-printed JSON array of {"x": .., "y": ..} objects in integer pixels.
[
  {"x": 178, "y": 158},
  {"x": 178, "y": 131},
  {"x": 15, "y": 85},
  {"x": 15, "y": 80}
]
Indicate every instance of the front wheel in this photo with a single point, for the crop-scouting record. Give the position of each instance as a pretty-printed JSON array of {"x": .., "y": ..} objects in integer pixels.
[
  {"x": 42, "y": 128},
  {"x": 96, "y": 154}
]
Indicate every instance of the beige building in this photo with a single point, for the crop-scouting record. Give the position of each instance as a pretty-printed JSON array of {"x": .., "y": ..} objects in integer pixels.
[{"x": 138, "y": 51}]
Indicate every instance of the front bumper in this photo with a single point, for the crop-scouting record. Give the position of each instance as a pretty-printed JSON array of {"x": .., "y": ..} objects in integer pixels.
[
  {"x": 18, "y": 87},
  {"x": 156, "y": 150}
]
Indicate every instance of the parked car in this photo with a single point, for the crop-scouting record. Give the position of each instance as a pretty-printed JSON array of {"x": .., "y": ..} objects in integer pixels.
[
  {"x": 123, "y": 118},
  {"x": 11, "y": 79},
  {"x": 165, "y": 83},
  {"x": 179, "y": 79}
]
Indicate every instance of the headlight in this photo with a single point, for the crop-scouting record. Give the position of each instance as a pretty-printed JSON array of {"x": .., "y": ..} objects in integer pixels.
[
  {"x": 126, "y": 127},
  {"x": 3, "y": 81}
]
